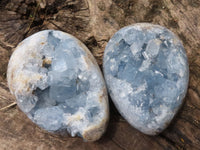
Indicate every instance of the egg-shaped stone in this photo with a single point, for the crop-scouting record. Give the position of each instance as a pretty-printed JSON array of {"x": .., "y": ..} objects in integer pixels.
[
  {"x": 58, "y": 85},
  {"x": 146, "y": 71}
]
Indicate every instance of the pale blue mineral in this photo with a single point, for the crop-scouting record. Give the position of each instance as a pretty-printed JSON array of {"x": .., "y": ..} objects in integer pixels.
[
  {"x": 58, "y": 84},
  {"x": 146, "y": 71}
]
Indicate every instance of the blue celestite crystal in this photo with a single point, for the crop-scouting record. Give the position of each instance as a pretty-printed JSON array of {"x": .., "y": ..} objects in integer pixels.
[
  {"x": 146, "y": 71},
  {"x": 58, "y": 84}
]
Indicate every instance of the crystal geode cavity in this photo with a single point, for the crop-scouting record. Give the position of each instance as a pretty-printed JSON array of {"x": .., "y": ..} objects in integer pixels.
[
  {"x": 146, "y": 70},
  {"x": 58, "y": 84}
]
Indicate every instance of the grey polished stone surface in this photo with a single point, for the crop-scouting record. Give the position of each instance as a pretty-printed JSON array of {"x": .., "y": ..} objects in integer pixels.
[
  {"x": 58, "y": 84},
  {"x": 146, "y": 71}
]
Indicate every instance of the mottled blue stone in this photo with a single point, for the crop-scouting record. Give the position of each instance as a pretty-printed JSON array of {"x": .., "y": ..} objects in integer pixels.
[
  {"x": 58, "y": 84},
  {"x": 146, "y": 71}
]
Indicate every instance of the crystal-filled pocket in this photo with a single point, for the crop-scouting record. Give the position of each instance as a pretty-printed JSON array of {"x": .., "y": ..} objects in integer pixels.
[
  {"x": 58, "y": 85},
  {"x": 146, "y": 71}
]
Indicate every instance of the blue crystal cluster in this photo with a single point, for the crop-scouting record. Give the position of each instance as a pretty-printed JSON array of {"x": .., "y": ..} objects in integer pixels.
[
  {"x": 146, "y": 71},
  {"x": 58, "y": 84}
]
